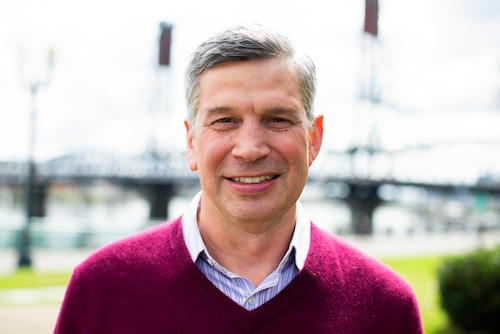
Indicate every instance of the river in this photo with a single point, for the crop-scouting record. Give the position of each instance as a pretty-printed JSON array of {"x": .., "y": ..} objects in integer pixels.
[{"x": 90, "y": 216}]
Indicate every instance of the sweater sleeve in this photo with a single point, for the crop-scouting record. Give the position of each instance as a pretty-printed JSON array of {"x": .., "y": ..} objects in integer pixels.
[
  {"x": 401, "y": 312},
  {"x": 390, "y": 297},
  {"x": 411, "y": 314},
  {"x": 119, "y": 279},
  {"x": 71, "y": 315},
  {"x": 372, "y": 297}
]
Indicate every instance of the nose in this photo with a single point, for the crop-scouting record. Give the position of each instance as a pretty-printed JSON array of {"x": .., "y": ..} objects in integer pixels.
[{"x": 251, "y": 142}]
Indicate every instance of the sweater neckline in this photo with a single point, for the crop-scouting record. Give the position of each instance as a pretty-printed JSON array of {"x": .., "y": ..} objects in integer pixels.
[{"x": 246, "y": 319}]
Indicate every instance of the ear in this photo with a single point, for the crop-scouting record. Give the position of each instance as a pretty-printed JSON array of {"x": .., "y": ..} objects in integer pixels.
[
  {"x": 190, "y": 148},
  {"x": 316, "y": 138}
]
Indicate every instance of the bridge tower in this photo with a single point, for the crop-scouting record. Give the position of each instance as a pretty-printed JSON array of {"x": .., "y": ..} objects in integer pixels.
[
  {"x": 160, "y": 103},
  {"x": 158, "y": 196},
  {"x": 363, "y": 198}
]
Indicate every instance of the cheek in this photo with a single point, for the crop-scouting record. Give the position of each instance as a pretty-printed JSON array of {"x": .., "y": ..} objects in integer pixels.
[
  {"x": 210, "y": 150},
  {"x": 295, "y": 150}
]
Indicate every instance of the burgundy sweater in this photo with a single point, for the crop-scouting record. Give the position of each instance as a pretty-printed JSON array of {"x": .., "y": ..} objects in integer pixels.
[{"x": 147, "y": 283}]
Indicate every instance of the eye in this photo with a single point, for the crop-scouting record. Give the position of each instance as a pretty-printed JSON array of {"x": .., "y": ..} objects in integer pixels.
[
  {"x": 279, "y": 123},
  {"x": 225, "y": 123}
]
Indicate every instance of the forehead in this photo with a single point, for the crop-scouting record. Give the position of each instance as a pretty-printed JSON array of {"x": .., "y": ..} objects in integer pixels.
[{"x": 261, "y": 78}]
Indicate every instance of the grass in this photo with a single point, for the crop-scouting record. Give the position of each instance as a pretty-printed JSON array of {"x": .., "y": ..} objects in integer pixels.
[
  {"x": 419, "y": 272},
  {"x": 26, "y": 278}
]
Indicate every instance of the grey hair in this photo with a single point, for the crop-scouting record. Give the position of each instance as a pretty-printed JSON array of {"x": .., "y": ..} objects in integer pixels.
[{"x": 246, "y": 42}]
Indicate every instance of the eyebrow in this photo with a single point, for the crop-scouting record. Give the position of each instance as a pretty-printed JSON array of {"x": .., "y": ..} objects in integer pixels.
[
  {"x": 218, "y": 110},
  {"x": 284, "y": 111},
  {"x": 274, "y": 111}
]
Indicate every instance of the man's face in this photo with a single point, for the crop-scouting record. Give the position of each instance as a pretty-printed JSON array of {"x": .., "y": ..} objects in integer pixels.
[{"x": 251, "y": 144}]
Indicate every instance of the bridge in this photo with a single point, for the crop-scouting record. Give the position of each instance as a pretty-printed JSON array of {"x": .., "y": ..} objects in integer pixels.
[{"x": 360, "y": 172}]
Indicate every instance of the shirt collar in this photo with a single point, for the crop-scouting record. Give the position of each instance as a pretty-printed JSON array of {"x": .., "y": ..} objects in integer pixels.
[{"x": 300, "y": 240}]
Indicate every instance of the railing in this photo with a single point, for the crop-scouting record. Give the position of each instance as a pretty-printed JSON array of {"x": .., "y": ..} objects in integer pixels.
[{"x": 458, "y": 164}]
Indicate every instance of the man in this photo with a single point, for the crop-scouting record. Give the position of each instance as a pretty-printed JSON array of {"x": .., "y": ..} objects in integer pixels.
[{"x": 244, "y": 258}]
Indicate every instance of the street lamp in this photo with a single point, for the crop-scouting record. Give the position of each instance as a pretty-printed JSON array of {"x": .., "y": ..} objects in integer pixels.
[{"x": 33, "y": 85}]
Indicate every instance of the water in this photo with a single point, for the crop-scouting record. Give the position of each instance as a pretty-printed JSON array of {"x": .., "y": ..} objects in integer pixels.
[{"x": 92, "y": 215}]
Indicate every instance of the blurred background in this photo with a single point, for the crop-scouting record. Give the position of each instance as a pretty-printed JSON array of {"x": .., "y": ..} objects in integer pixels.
[
  {"x": 91, "y": 96},
  {"x": 91, "y": 117}
]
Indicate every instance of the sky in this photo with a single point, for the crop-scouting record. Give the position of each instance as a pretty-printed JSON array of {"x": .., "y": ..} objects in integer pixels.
[{"x": 436, "y": 65}]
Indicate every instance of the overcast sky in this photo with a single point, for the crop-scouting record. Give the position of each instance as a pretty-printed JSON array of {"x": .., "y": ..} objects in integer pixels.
[{"x": 437, "y": 65}]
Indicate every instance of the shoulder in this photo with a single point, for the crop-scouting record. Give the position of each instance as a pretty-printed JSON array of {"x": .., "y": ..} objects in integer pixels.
[
  {"x": 127, "y": 276},
  {"x": 137, "y": 249},
  {"x": 336, "y": 259},
  {"x": 351, "y": 277}
]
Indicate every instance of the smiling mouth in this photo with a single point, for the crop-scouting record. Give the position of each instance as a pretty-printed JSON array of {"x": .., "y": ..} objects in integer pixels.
[{"x": 251, "y": 180}]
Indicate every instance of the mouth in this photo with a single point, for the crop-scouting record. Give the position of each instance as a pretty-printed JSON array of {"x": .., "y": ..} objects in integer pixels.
[{"x": 253, "y": 179}]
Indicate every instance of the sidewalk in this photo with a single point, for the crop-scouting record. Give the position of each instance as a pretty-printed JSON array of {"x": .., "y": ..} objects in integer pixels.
[
  {"x": 34, "y": 311},
  {"x": 28, "y": 319}
]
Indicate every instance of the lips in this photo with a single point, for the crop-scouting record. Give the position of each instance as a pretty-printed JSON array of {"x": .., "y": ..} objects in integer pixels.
[{"x": 251, "y": 180}]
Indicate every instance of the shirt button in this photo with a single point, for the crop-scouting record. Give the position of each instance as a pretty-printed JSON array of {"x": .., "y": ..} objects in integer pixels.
[{"x": 251, "y": 301}]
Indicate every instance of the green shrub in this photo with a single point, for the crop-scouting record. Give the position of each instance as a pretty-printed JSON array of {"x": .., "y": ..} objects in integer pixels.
[{"x": 469, "y": 288}]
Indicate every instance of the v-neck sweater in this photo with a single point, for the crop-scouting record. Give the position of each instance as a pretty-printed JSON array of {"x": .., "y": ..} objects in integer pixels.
[{"x": 148, "y": 283}]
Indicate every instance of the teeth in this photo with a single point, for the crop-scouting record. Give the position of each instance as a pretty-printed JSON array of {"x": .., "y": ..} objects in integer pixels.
[{"x": 255, "y": 179}]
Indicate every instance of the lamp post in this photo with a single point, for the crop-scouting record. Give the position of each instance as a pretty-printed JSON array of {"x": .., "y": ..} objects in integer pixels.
[{"x": 33, "y": 85}]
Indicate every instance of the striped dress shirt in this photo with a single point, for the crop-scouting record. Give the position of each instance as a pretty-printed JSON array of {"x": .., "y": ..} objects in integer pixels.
[{"x": 236, "y": 287}]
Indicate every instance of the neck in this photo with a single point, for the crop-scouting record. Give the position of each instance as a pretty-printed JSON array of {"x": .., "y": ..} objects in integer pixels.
[{"x": 250, "y": 250}]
